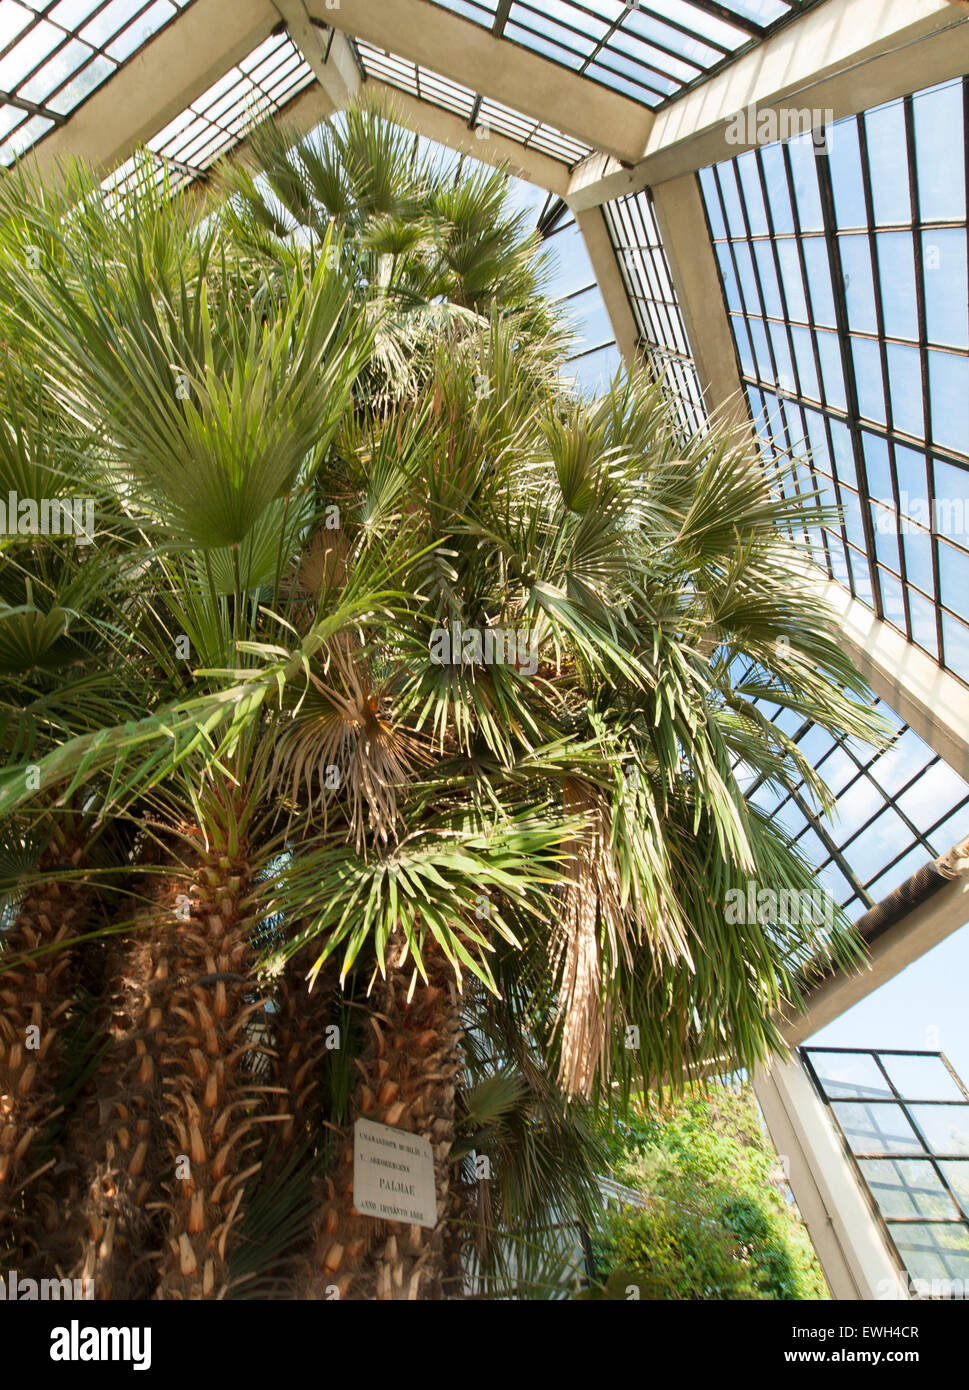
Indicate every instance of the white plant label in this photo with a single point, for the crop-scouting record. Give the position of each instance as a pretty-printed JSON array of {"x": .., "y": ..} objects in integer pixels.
[{"x": 393, "y": 1175}]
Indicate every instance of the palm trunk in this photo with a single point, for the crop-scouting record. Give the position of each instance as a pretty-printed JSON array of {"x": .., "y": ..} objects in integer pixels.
[
  {"x": 409, "y": 1080},
  {"x": 299, "y": 1046},
  {"x": 35, "y": 996},
  {"x": 115, "y": 1138},
  {"x": 211, "y": 1104}
]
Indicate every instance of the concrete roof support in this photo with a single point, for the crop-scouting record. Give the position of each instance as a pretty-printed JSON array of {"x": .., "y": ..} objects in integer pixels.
[
  {"x": 466, "y": 53},
  {"x": 154, "y": 86},
  {"x": 336, "y": 72},
  {"x": 595, "y": 235},
  {"x": 836, "y": 60},
  {"x": 848, "y": 1240},
  {"x": 683, "y": 227}
]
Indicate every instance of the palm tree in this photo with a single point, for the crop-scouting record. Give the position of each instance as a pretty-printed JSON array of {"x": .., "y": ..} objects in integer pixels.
[
  {"x": 430, "y": 245},
  {"x": 60, "y": 595},
  {"x": 167, "y": 328},
  {"x": 472, "y": 682}
]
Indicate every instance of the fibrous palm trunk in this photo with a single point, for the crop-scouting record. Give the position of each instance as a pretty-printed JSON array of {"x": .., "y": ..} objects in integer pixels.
[
  {"x": 35, "y": 996},
  {"x": 115, "y": 1139},
  {"x": 211, "y": 1104},
  {"x": 409, "y": 1073},
  {"x": 299, "y": 1036}
]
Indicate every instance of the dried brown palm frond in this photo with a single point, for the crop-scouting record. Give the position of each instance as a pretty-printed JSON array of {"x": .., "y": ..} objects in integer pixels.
[
  {"x": 593, "y": 916},
  {"x": 343, "y": 740},
  {"x": 322, "y": 568}
]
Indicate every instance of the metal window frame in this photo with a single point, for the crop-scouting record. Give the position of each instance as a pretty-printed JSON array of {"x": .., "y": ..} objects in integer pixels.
[
  {"x": 929, "y": 1154},
  {"x": 838, "y": 849},
  {"x": 647, "y": 278},
  {"x": 507, "y": 13},
  {"x": 70, "y": 35},
  {"x": 882, "y": 576},
  {"x": 381, "y": 64}
]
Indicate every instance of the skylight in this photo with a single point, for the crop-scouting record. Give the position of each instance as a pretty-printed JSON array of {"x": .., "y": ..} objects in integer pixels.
[
  {"x": 221, "y": 117},
  {"x": 481, "y": 114},
  {"x": 648, "y": 50},
  {"x": 649, "y": 287},
  {"x": 845, "y": 276},
  {"x": 54, "y": 55}
]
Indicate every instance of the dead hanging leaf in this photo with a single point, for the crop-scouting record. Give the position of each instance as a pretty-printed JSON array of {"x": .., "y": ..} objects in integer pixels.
[
  {"x": 591, "y": 909},
  {"x": 344, "y": 742},
  {"x": 323, "y": 567}
]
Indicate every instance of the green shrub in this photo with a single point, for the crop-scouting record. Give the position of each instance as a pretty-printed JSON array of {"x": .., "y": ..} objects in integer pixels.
[{"x": 715, "y": 1225}]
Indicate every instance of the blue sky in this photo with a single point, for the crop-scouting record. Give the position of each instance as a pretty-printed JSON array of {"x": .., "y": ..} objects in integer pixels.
[{"x": 923, "y": 1007}]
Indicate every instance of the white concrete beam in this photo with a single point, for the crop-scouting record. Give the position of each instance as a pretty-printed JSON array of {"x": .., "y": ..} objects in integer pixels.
[
  {"x": 839, "y": 58},
  {"x": 333, "y": 64},
  {"x": 850, "y": 1246},
  {"x": 890, "y": 953},
  {"x": 449, "y": 129},
  {"x": 931, "y": 701},
  {"x": 307, "y": 36},
  {"x": 340, "y": 74},
  {"x": 466, "y": 53},
  {"x": 311, "y": 42},
  {"x": 696, "y": 277},
  {"x": 148, "y": 91},
  {"x": 595, "y": 235}
]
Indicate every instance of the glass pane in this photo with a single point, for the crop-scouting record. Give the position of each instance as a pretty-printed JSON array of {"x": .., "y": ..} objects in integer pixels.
[
  {"x": 888, "y": 161},
  {"x": 110, "y": 20},
  {"x": 946, "y": 1127},
  {"x": 956, "y": 1175},
  {"x": 940, "y": 162},
  {"x": 57, "y": 70},
  {"x": 934, "y": 1251},
  {"x": 28, "y": 54},
  {"x": 849, "y": 1073},
  {"x": 907, "y": 1187},
  {"x": 875, "y": 1129},
  {"x": 142, "y": 30},
  {"x": 13, "y": 18}
]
